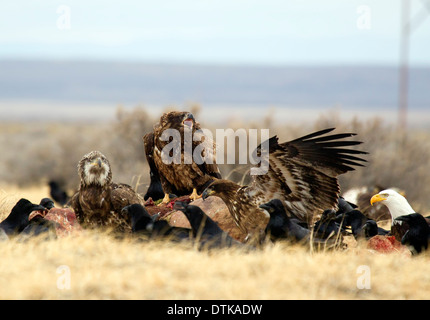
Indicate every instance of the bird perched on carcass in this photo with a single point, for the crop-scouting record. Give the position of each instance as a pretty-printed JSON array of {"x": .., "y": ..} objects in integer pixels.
[
  {"x": 99, "y": 201},
  {"x": 185, "y": 177}
]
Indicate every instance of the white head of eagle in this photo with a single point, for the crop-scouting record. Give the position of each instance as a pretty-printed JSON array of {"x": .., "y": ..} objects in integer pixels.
[
  {"x": 395, "y": 202},
  {"x": 94, "y": 170}
]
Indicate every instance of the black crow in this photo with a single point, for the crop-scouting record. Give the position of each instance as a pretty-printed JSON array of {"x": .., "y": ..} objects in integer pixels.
[
  {"x": 47, "y": 203},
  {"x": 18, "y": 217},
  {"x": 345, "y": 206},
  {"x": 361, "y": 226},
  {"x": 327, "y": 225},
  {"x": 155, "y": 190},
  {"x": 206, "y": 231},
  {"x": 40, "y": 226},
  {"x": 371, "y": 229},
  {"x": 418, "y": 234},
  {"x": 144, "y": 224},
  {"x": 356, "y": 220},
  {"x": 280, "y": 226},
  {"x": 57, "y": 193}
]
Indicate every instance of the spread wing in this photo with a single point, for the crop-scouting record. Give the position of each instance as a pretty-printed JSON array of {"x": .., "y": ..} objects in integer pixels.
[{"x": 303, "y": 172}]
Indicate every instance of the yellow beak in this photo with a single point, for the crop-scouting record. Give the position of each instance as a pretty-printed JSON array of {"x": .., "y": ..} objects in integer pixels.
[
  {"x": 377, "y": 198},
  {"x": 97, "y": 163}
]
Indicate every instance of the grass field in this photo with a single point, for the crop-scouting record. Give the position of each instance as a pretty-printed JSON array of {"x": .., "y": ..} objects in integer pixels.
[{"x": 93, "y": 265}]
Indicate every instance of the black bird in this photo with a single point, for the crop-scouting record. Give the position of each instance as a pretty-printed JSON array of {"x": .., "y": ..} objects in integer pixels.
[
  {"x": 206, "y": 231},
  {"x": 155, "y": 190},
  {"x": 327, "y": 225},
  {"x": 47, "y": 203},
  {"x": 371, "y": 229},
  {"x": 418, "y": 235},
  {"x": 140, "y": 218},
  {"x": 361, "y": 226},
  {"x": 18, "y": 217},
  {"x": 144, "y": 224},
  {"x": 345, "y": 206},
  {"x": 354, "y": 219},
  {"x": 57, "y": 193},
  {"x": 40, "y": 226},
  {"x": 330, "y": 222},
  {"x": 280, "y": 226}
]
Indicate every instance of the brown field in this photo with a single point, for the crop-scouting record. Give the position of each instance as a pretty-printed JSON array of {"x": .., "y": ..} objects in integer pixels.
[{"x": 101, "y": 267}]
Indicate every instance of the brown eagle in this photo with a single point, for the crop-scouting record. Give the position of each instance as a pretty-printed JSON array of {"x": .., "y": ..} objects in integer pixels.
[
  {"x": 98, "y": 201},
  {"x": 178, "y": 178},
  {"x": 302, "y": 174}
]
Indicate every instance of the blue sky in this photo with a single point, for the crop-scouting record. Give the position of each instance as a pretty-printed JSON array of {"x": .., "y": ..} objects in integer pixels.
[{"x": 270, "y": 32}]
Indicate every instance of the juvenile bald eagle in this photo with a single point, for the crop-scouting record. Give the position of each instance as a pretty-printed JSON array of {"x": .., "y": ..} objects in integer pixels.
[
  {"x": 302, "y": 174},
  {"x": 181, "y": 178},
  {"x": 99, "y": 201}
]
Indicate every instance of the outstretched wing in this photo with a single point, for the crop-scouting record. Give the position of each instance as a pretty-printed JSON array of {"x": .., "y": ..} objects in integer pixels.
[{"x": 303, "y": 172}]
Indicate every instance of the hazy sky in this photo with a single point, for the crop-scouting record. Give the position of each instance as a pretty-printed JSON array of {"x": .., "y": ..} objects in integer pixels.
[{"x": 223, "y": 31}]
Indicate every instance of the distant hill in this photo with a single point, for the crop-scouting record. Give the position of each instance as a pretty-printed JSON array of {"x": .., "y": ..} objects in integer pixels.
[{"x": 114, "y": 82}]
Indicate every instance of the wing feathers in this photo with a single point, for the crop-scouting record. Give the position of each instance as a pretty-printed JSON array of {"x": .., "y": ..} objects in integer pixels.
[
  {"x": 324, "y": 153},
  {"x": 315, "y": 134},
  {"x": 306, "y": 170}
]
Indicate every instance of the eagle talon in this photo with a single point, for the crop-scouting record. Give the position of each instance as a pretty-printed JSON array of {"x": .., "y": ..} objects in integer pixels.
[
  {"x": 166, "y": 200},
  {"x": 194, "y": 196}
]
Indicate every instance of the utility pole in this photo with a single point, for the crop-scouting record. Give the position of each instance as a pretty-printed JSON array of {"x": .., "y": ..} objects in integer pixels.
[
  {"x": 408, "y": 26},
  {"x": 404, "y": 66}
]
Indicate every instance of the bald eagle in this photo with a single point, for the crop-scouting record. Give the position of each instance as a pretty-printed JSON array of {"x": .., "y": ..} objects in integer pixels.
[
  {"x": 398, "y": 206},
  {"x": 177, "y": 178},
  {"x": 99, "y": 201},
  {"x": 302, "y": 174}
]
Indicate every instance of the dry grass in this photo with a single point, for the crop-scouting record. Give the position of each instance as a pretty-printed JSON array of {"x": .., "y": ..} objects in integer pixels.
[
  {"x": 102, "y": 267},
  {"x": 39, "y": 152},
  {"x": 105, "y": 268}
]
